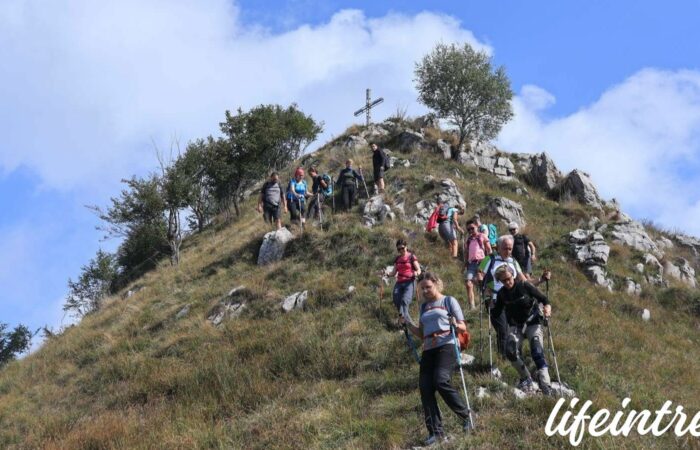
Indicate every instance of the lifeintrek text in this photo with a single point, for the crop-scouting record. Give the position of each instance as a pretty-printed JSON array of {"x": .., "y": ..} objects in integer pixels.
[{"x": 577, "y": 424}]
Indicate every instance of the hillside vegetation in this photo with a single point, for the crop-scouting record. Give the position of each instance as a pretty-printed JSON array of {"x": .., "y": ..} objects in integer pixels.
[{"x": 136, "y": 374}]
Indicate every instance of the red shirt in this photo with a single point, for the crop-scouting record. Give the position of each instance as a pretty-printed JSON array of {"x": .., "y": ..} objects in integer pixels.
[{"x": 404, "y": 267}]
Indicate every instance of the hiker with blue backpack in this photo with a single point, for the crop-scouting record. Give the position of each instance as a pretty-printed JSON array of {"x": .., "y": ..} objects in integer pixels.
[
  {"x": 448, "y": 226},
  {"x": 489, "y": 230},
  {"x": 440, "y": 320},
  {"x": 296, "y": 196},
  {"x": 476, "y": 247},
  {"x": 321, "y": 188}
]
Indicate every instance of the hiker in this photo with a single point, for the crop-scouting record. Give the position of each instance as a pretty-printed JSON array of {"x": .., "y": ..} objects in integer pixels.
[
  {"x": 524, "y": 250},
  {"x": 490, "y": 230},
  {"x": 346, "y": 182},
  {"x": 448, "y": 226},
  {"x": 380, "y": 163},
  {"x": 406, "y": 269},
  {"x": 296, "y": 195},
  {"x": 521, "y": 302},
  {"x": 487, "y": 270},
  {"x": 319, "y": 186},
  {"x": 271, "y": 199},
  {"x": 476, "y": 247},
  {"x": 437, "y": 313}
]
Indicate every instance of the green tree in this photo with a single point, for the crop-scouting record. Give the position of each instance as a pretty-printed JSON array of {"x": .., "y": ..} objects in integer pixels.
[
  {"x": 460, "y": 85},
  {"x": 13, "y": 343},
  {"x": 193, "y": 166},
  {"x": 265, "y": 138},
  {"x": 94, "y": 283}
]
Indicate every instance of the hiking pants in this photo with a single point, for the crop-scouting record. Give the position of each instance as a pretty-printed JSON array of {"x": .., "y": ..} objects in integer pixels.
[
  {"x": 348, "y": 195},
  {"x": 514, "y": 348},
  {"x": 500, "y": 324},
  {"x": 402, "y": 296},
  {"x": 294, "y": 209},
  {"x": 436, "y": 367},
  {"x": 315, "y": 205}
]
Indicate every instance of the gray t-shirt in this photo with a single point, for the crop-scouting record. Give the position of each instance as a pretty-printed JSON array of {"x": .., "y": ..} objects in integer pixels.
[
  {"x": 272, "y": 193},
  {"x": 434, "y": 317}
]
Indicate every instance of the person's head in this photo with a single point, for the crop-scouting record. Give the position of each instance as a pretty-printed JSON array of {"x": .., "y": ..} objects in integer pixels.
[
  {"x": 477, "y": 220},
  {"x": 513, "y": 228},
  {"x": 374, "y": 147},
  {"x": 348, "y": 163},
  {"x": 299, "y": 173},
  {"x": 312, "y": 171},
  {"x": 430, "y": 286},
  {"x": 505, "y": 245},
  {"x": 472, "y": 227},
  {"x": 460, "y": 209},
  {"x": 401, "y": 245},
  {"x": 504, "y": 274},
  {"x": 275, "y": 177}
]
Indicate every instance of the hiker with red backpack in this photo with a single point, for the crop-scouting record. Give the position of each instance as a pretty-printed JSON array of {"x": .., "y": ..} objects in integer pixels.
[
  {"x": 476, "y": 247},
  {"x": 448, "y": 226},
  {"x": 406, "y": 269},
  {"x": 439, "y": 314}
]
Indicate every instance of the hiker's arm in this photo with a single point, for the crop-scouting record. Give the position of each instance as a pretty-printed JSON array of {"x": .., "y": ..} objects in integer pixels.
[
  {"x": 460, "y": 325},
  {"x": 536, "y": 293},
  {"x": 415, "y": 330},
  {"x": 533, "y": 251},
  {"x": 487, "y": 244},
  {"x": 416, "y": 268},
  {"x": 455, "y": 218},
  {"x": 390, "y": 273},
  {"x": 546, "y": 276}
]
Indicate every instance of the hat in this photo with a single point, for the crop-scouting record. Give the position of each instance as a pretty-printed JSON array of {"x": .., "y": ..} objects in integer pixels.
[{"x": 513, "y": 226}]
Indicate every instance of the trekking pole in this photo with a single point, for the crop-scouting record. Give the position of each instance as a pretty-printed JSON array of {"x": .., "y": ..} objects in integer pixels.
[
  {"x": 481, "y": 324},
  {"x": 461, "y": 372},
  {"x": 318, "y": 205},
  {"x": 554, "y": 355},
  {"x": 363, "y": 183},
  {"x": 333, "y": 196},
  {"x": 381, "y": 294},
  {"x": 301, "y": 218},
  {"x": 410, "y": 342}
]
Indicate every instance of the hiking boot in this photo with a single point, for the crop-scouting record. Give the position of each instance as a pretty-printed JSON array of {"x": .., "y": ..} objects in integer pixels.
[
  {"x": 435, "y": 438},
  {"x": 544, "y": 381},
  {"x": 526, "y": 385},
  {"x": 546, "y": 389},
  {"x": 467, "y": 427}
]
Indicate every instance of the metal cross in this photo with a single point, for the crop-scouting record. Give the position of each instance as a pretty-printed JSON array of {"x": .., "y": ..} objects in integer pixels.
[{"x": 368, "y": 107}]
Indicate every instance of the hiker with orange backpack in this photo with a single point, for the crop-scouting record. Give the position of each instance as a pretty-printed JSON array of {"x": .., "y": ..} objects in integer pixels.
[
  {"x": 476, "y": 247},
  {"x": 438, "y": 314}
]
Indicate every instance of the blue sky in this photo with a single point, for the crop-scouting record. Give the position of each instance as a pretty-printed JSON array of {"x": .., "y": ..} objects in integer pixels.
[{"x": 612, "y": 88}]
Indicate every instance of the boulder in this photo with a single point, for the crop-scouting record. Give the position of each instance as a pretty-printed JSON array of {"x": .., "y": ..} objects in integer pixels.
[
  {"x": 183, "y": 312},
  {"x": 447, "y": 193},
  {"x": 444, "y": 148},
  {"x": 295, "y": 301},
  {"x": 652, "y": 262},
  {"x": 355, "y": 143},
  {"x": 646, "y": 315},
  {"x": 376, "y": 211},
  {"x": 230, "y": 306},
  {"x": 409, "y": 141},
  {"x": 639, "y": 267},
  {"x": 632, "y": 234},
  {"x": 394, "y": 162},
  {"x": 664, "y": 243},
  {"x": 487, "y": 157},
  {"x": 578, "y": 185},
  {"x": 632, "y": 288},
  {"x": 429, "y": 120},
  {"x": 376, "y": 133},
  {"x": 591, "y": 252},
  {"x": 506, "y": 209},
  {"x": 681, "y": 271},
  {"x": 599, "y": 276},
  {"x": 273, "y": 245},
  {"x": 543, "y": 172},
  {"x": 690, "y": 242}
]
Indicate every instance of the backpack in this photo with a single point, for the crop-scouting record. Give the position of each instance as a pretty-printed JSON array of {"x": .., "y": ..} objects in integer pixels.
[
  {"x": 443, "y": 213},
  {"x": 432, "y": 221},
  {"x": 493, "y": 234},
  {"x": 479, "y": 239},
  {"x": 387, "y": 163},
  {"x": 329, "y": 186},
  {"x": 521, "y": 249}
]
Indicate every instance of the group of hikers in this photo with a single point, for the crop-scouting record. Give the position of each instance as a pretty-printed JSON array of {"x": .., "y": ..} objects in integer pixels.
[
  {"x": 500, "y": 267},
  {"x": 302, "y": 203}
]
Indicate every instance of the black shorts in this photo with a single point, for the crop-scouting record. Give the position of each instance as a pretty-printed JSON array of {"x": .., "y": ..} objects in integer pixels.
[
  {"x": 378, "y": 173},
  {"x": 271, "y": 212}
]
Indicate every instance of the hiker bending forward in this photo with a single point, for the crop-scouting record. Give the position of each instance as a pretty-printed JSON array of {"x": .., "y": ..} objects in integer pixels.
[
  {"x": 406, "y": 269},
  {"x": 438, "y": 361},
  {"x": 521, "y": 302}
]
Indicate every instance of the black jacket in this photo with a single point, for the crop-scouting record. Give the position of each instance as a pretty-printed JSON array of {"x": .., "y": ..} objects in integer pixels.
[{"x": 518, "y": 303}]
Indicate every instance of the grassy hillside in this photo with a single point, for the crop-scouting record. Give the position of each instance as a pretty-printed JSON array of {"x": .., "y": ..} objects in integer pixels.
[{"x": 338, "y": 374}]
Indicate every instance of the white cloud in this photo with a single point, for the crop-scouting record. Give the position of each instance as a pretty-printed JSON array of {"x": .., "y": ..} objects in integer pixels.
[
  {"x": 90, "y": 83},
  {"x": 640, "y": 141}
]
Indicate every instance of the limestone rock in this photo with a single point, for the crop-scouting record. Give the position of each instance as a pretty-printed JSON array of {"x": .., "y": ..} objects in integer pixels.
[
  {"x": 589, "y": 247},
  {"x": 681, "y": 271},
  {"x": 444, "y": 148},
  {"x": 632, "y": 288},
  {"x": 376, "y": 211},
  {"x": 447, "y": 193},
  {"x": 506, "y": 209},
  {"x": 482, "y": 393},
  {"x": 487, "y": 157},
  {"x": 639, "y": 267},
  {"x": 429, "y": 120},
  {"x": 562, "y": 389},
  {"x": 632, "y": 233},
  {"x": 543, "y": 172},
  {"x": 231, "y": 306},
  {"x": 183, "y": 312},
  {"x": 664, "y": 243},
  {"x": 578, "y": 185},
  {"x": 646, "y": 315},
  {"x": 295, "y": 301},
  {"x": 690, "y": 242},
  {"x": 598, "y": 275},
  {"x": 376, "y": 133},
  {"x": 273, "y": 245},
  {"x": 394, "y": 162},
  {"x": 355, "y": 143},
  {"x": 652, "y": 262},
  {"x": 409, "y": 141},
  {"x": 466, "y": 359}
]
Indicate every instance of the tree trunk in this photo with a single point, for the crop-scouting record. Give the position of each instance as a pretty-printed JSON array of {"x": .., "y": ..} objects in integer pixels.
[{"x": 174, "y": 236}]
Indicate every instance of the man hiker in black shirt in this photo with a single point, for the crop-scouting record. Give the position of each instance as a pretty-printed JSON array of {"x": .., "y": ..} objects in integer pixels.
[
  {"x": 524, "y": 250},
  {"x": 521, "y": 302},
  {"x": 272, "y": 200},
  {"x": 318, "y": 187},
  {"x": 346, "y": 182},
  {"x": 379, "y": 163}
]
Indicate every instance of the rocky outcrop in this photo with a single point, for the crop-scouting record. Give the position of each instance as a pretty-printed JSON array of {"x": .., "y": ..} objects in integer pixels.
[
  {"x": 506, "y": 209},
  {"x": 543, "y": 173},
  {"x": 487, "y": 157},
  {"x": 395, "y": 162},
  {"x": 427, "y": 121},
  {"x": 409, "y": 141},
  {"x": 376, "y": 211},
  {"x": 664, "y": 243},
  {"x": 273, "y": 245},
  {"x": 690, "y": 242},
  {"x": 447, "y": 193},
  {"x": 230, "y": 306},
  {"x": 591, "y": 253},
  {"x": 632, "y": 234},
  {"x": 632, "y": 287},
  {"x": 681, "y": 271},
  {"x": 354, "y": 142},
  {"x": 578, "y": 185},
  {"x": 295, "y": 301},
  {"x": 444, "y": 148},
  {"x": 375, "y": 134}
]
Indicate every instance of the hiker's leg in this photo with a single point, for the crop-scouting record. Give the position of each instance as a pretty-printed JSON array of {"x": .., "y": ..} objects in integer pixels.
[
  {"x": 443, "y": 372},
  {"x": 426, "y": 384},
  {"x": 500, "y": 325},
  {"x": 402, "y": 296},
  {"x": 514, "y": 347},
  {"x": 345, "y": 194},
  {"x": 535, "y": 334}
]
